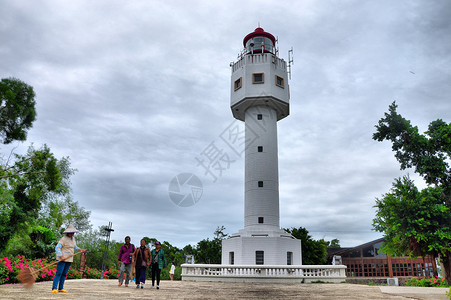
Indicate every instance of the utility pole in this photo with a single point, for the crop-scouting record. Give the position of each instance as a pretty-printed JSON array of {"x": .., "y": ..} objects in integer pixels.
[{"x": 107, "y": 244}]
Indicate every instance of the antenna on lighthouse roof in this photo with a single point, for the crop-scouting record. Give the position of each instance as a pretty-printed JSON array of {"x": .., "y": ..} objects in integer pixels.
[{"x": 290, "y": 61}]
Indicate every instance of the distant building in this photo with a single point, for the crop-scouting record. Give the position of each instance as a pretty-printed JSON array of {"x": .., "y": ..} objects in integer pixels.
[{"x": 367, "y": 260}]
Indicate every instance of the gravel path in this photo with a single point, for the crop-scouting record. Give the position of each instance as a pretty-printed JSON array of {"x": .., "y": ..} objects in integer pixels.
[{"x": 108, "y": 289}]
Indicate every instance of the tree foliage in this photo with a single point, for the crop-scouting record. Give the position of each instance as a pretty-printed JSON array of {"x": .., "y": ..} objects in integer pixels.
[
  {"x": 25, "y": 184},
  {"x": 209, "y": 251},
  {"x": 417, "y": 222},
  {"x": 17, "y": 109},
  {"x": 35, "y": 202},
  {"x": 335, "y": 243},
  {"x": 414, "y": 222},
  {"x": 314, "y": 252},
  {"x": 428, "y": 153}
]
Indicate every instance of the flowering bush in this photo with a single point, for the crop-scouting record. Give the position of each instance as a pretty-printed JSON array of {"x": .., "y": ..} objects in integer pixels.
[
  {"x": 4, "y": 274},
  {"x": 427, "y": 282},
  {"x": 112, "y": 273},
  {"x": 73, "y": 274},
  {"x": 14, "y": 265},
  {"x": 91, "y": 273},
  {"x": 10, "y": 267},
  {"x": 47, "y": 275}
]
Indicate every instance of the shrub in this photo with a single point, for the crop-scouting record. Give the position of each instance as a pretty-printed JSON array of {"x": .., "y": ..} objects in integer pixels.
[
  {"x": 91, "y": 273},
  {"x": 178, "y": 273},
  {"x": 13, "y": 265},
  {"x": 413, "y": 282},
  {"x": 111, "y": 273},
  {"x": 4, "y": 274},
  {"x": 10, "y": 267},
  {"x": 73, "y": 274},
  {"x": 427, "y": 282},
  {"x": 47, "y": 275},
  {"x": 164, "y": 275}
]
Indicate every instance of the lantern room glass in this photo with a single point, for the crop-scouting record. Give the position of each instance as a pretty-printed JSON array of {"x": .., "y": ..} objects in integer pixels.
[{"x": 261, "y": 44}]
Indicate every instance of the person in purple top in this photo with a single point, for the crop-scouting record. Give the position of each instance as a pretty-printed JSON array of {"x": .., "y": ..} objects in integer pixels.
[{"x": 125, "y": 261}]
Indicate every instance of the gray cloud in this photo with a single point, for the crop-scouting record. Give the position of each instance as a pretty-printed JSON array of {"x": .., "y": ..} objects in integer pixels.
[{"x": 134, "y": 92}]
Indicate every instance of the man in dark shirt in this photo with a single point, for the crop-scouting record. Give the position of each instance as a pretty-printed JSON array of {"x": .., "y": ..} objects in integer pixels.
[{"x": 125, "y": 261}]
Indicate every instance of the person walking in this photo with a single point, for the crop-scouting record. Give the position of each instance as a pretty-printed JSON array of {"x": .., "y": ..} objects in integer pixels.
[
  {"x": 172, "y": 271},
  {"x": 141, "y": 259},
  {"x": 65, "y": 250},
  {"x": 158, "y": 263},
  {"x": 125, "y": 261}
]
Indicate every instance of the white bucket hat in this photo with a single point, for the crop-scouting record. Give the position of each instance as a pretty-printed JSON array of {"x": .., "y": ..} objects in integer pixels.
[{"x": 70, "y": 229}]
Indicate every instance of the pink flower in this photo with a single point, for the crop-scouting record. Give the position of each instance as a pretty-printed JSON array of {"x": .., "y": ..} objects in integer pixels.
[{"x": 8, "y": 265}]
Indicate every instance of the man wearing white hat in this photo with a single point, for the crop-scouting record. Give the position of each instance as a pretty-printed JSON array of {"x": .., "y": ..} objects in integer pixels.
[{"x": 65, "y": 250}]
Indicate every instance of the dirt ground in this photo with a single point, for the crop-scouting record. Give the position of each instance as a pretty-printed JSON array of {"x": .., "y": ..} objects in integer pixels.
[{"x": 108, "y": 289}]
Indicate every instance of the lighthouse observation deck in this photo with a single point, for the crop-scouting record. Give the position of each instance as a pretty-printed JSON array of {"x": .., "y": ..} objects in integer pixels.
[{"x": 259, "y": 58}]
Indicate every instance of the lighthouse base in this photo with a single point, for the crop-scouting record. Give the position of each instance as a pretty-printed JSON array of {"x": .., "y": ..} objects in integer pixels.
[{"x": 261, "y": 248}]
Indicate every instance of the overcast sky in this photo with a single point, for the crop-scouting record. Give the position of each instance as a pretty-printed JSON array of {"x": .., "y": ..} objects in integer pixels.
[{"x": 134, "y": 91}]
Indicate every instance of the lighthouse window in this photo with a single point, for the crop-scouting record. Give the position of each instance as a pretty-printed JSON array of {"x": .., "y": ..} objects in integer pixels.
[
  {"x": 259, "y": 117},
  {"x": 260, "y": 220},
  {"x": 258, "y": 78},
  {"x": 237, "y": 84},
  {"x": 260, "y": 184},
  {"x": 259, "y": 257},
  {"x": 260, "y": 148},
  {"x": 289, "y": 258},
  {"x": 279, "y": 82}
]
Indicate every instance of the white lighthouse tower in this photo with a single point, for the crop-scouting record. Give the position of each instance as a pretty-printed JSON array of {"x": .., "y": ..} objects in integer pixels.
[{"x": 260, "y": 97}]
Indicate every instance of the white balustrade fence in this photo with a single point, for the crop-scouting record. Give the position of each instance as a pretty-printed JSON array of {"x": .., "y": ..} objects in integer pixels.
[{"x": 264, "y": 273}]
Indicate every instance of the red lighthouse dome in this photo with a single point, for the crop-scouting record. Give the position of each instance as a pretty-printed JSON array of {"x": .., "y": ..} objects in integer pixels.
[{"x": 259, "y": 41}]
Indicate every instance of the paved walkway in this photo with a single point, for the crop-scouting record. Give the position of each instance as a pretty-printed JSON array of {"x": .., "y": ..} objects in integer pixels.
[{"x": 108, "y": 289}]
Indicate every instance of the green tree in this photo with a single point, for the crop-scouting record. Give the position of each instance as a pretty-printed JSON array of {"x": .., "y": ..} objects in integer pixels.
[
  {"x": 32, "y": 186},
  {"x": 188, "y": 250},
  {"x": 59, "y": 209},
  {"x": 335, "y": 243},
  {"x": 57, "y": 214},
  {"x": 314, "y": 252},
  {"x": 33, "y": 242},
  {"x": 429, "y": 154},
  {"x": 17, "y": 109},
  {"x": 219, "y": 233},
  {"x": 414, "y": 222},
  {"x": 173, "y": 254},
  {"x": 209, "y": 251},
  {"x": 25, "y": 184}
]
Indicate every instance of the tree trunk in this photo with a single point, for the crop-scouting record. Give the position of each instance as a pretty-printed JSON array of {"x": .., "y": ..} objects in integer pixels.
[{"x": 445, "y": 261}]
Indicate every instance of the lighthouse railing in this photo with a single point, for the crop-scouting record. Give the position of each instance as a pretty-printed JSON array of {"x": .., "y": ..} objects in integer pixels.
[
  {"x": 267, "y": 273},
  {"x": 260, "y": 58}
]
